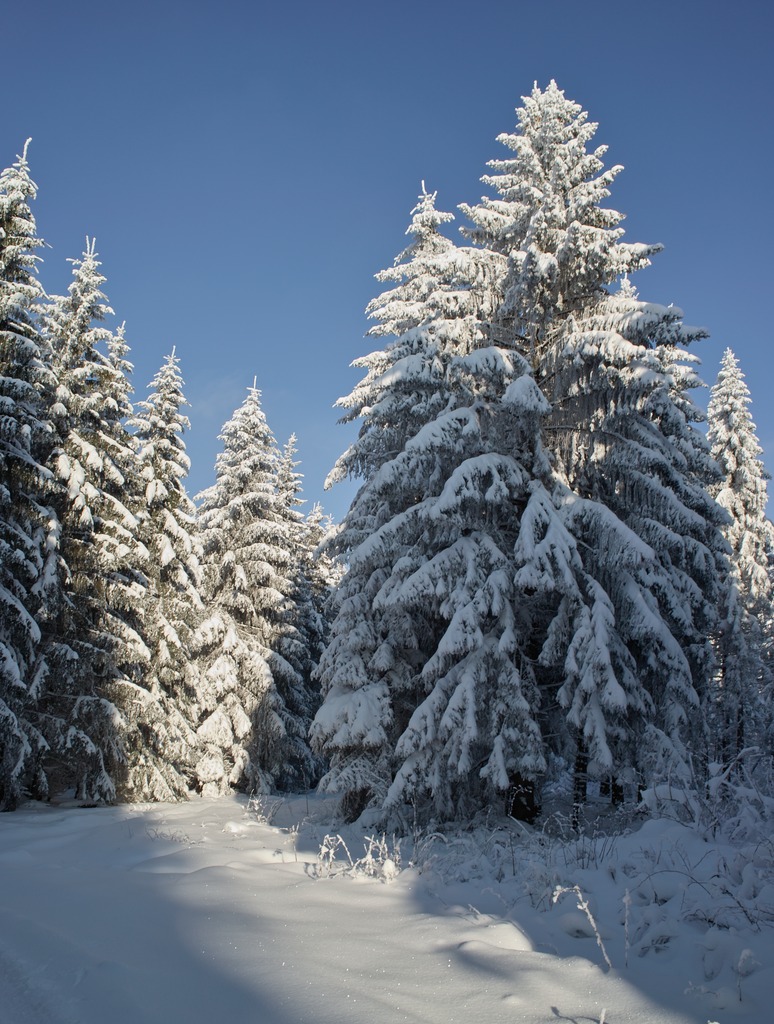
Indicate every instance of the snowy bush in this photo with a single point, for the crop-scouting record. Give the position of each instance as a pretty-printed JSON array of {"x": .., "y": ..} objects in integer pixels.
[
  {"x": 736, "y": 802},
  {"x": 262, "y": 808},
  {"x": 381, "y": 858}
]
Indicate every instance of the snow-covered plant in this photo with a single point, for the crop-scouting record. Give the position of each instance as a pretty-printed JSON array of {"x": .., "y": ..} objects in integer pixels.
[
  {"x": 30, "y": 574},
  {"x": 584, "y": 907},
  {"x": 95, "y": 463},
  {"x": 323, "y": 572},
  {"x": 620, "y": 427},
  {"x": 263, "y": 808},
  {"x": 743, "y": 968},
  {"x": 742, "y": 697},
  {"x": 162, "y": 743},
  {"x": 381, "y": 858},
  {"x": 734, "y": 800},
  {"x": 253, "y": 700},
  {"x": 330, "y": 847},
  {"x": 430, "y": 696},
  {"x": 489, "y": 600},
  {"x": 485, "y": 852},
  {"x": 303, "y": 646}
]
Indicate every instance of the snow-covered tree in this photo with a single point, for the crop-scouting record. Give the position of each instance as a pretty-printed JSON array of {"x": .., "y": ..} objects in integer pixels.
[
  {"x": 163, "y": 742},
  {"x": 95, "y": 462},
  {"x": 356, "y": 725},
  {"x": 461, "y": 571},
  {"x": 29, "y": 569},
  {"x": 323, "y": 571},
  {"x": 253, "y": 699},
  {"x": 621, "y": 425},
  {"x": 741, "y": 716},
  {"x": 288, "y": 478},
  {"x": 638, "y": 453},
  {"x": 127, "y": 559},
  {"x": 302, "y": 574}
]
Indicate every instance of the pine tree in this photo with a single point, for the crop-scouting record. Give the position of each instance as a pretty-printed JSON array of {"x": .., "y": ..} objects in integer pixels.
[
  {"x": 324, "y": 574},
  {"x": 125, "y": 556},
  {"x": 252, "y": 696},
  {"x": 95, "y": 462},
  {"x": 29, "y": 565},
  {"x": 164, "y": 743},
  {"x": 303, "y": 647},
  {"x": 741, "y": 717},
  {"x": 399, "y": 394},
  {"x": 459, "y": 566},
  {"x": 621, "y": 423}
]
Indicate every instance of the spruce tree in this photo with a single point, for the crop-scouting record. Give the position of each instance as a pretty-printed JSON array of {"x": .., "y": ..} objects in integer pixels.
[
  {"x": 125, "y": 556},
  {"x": 160, "y": 766},
  {"x": 741, "y": 716},
  {"x": 324, "y": 574},
  {"x": 361, "y": 674},
  {"x": 96, "y": 465},
  {"x": 252, "y": 696},
  {"x": 29, "y": 565},
  {"x": 303, "y": 645},
  {"x": 621, "y": 426},
  {"x": 459, "y": 566}
]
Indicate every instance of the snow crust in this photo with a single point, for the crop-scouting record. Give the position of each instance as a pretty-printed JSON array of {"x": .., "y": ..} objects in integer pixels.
[{"x": 203, "y": 911}]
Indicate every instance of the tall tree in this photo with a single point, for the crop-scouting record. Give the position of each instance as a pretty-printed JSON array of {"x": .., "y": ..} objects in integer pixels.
[
  {"x": 621, "y": 425},
  {"x": 459, "y": 566},
  {"x": 29, "y": 570},
  {"x": 324, "y": 574},
  {"x": 160, "y": 764},
  {"x": 303, "y": 645},
  {"x": 371, "y": 660},
  {"x": 95, "y": 462},
  {"x": 251, "y": 695},
  {"x": 741, "y": 714}
]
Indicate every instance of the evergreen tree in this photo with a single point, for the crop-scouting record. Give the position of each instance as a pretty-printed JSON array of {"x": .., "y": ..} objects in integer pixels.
[
  {"x": 161, "y": 764},
  {"x": 324, "y": 573},
  {"x": 252, "y": 696},
  {"x": 621, "y": 423},
  {"x": 125, "y": 556},
  {"x": 360, "y": 673},
  {"x": 741, "y": 716},
  {"x": 308, "y": 637},
  {"x": 95, "y": 462},
  {"x": 459, "y": 565},
  {"x": 29, "y": 569}
]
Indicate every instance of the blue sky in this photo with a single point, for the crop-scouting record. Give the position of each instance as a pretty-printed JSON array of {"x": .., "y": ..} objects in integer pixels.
[{"x": 247, "y": 167}]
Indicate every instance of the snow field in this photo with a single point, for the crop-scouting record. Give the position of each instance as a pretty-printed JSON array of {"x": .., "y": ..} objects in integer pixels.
[{"x": 201, "y": 911}]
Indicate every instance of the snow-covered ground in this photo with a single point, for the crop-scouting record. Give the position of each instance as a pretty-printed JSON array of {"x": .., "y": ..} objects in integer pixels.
[{"x": 204, "y": 912}]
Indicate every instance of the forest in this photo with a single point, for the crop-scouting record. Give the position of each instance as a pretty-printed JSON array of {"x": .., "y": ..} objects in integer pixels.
[{"x": 556, "y": 571}]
